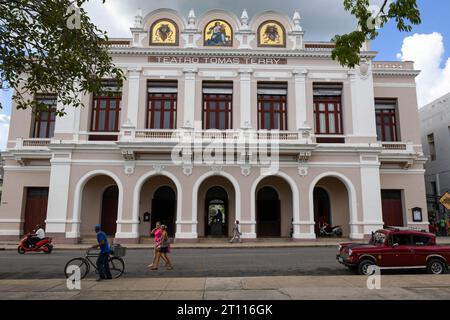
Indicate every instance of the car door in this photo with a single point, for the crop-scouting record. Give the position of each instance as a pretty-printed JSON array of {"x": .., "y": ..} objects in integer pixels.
[
  {"x": 399, "y": 252},
  {"x": 422, "y": 249}
]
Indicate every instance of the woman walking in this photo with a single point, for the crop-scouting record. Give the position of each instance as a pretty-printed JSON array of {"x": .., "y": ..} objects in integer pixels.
[
  {"x": 163, "y": 249},
  {"x": 157, "y": 233}
]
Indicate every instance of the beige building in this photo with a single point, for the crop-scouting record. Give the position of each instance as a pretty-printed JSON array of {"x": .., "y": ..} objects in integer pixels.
[{"x": 220, "y": 119}]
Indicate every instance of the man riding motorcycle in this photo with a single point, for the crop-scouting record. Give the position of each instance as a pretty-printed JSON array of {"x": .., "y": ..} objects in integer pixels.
[{"x": 37, "y": 236}]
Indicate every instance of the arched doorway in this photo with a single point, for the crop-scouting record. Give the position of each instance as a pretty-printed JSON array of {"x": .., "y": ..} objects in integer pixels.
[
  {"x": 332, "y": 204},
  {"x": 164, "y": 206},
  {"x": 110, "y": 200},
  {"x": 100, "y": 203},
  {"x": 268, "y": 213},
  {"x": 322, "y": 208},
  {"x": 216, "y": 215}
]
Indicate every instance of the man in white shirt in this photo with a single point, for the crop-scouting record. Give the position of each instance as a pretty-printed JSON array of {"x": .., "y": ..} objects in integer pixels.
[{"x": 38, "y": 235}]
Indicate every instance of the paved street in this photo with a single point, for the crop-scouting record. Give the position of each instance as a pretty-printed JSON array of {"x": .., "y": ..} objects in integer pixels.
[
  {"x": 188, "y": 263},
  {"x": 214, "y": 274},
  {"x": 393, "y": 287}
]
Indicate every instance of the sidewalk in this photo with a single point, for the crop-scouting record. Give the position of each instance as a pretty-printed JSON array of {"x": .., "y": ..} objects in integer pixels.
[
  {"x": 215, "y": 244},
  {"x": 421, "y": 287}
]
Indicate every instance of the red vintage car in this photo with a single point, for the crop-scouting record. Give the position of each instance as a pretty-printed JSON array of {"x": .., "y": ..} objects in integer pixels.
[{"x": 396, "y": 248}]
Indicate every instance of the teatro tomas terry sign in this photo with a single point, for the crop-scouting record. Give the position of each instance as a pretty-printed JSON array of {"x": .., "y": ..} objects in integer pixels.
[{"x": 216, "y": 60}]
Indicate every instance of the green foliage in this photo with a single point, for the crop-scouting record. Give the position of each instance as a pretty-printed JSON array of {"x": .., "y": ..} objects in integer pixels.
[
  {"x": 41, "y": 53},
  {"x": 404, "y": 12}
]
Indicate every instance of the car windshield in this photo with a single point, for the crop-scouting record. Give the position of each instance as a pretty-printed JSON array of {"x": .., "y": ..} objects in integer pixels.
[{"x": 377, "y": 238}]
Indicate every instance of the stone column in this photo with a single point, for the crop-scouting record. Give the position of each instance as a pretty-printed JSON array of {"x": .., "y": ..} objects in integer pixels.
[
  {"x": 300, "y": 98},
  {"x": 58, "y": 198},
  {"x": 133, "y": 77},
  {"x": 246, "y": 98},
  {"x": 189, "y": 97}
]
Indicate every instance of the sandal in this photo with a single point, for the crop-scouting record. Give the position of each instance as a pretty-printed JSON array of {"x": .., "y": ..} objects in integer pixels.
[
  {"x": 154, "y": 268},
  {"x": 169, "y": 268}
]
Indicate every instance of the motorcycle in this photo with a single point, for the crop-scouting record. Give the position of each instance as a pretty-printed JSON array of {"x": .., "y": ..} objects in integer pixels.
[
  {"x": 45, "y": 245},
  {"x": 327, "y": 230}
]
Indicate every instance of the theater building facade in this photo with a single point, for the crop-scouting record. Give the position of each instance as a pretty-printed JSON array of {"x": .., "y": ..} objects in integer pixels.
[{"x": 222, "y": 118}]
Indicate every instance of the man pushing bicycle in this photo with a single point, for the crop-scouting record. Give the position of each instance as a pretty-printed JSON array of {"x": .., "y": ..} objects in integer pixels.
[{"x": 102, "y": 260}]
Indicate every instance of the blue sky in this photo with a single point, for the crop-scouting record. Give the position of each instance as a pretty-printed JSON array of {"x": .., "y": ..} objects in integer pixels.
[{"x": 435, "y": 18}]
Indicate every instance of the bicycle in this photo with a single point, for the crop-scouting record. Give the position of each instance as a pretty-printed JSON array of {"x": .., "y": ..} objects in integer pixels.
[{"x": 116, "y": 263}]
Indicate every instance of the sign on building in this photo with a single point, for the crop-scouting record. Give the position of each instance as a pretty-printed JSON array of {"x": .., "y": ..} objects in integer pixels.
[{"x": 445, "y": 200}]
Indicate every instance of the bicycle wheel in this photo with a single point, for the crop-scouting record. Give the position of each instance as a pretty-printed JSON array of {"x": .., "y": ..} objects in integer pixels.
[
  {"x": 80, "y": 263},
  {"x": 116, "y": 267}
]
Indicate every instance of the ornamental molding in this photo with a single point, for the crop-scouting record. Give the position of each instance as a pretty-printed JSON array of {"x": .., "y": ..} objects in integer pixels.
[
  {"x": 187, "y": 170},
  {"x": 303, "y": 171},
  {"x": 158, "y": 168},
  {"x": 129, "y": 168},
  {"x": 233, "y": 53},
  {"x": 128, "y": 155},
  {"x": 245, "y": 171},
  {"x": 216, "y": 169}
]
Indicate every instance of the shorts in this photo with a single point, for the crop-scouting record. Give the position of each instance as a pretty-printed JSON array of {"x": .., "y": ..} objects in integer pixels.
[{"x": 164, "y": 249}]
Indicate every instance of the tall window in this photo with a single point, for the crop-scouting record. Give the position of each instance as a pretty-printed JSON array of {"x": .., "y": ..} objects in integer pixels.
[
  {"x": 218, "y": 105},
  {"x": 272, "y": 106},
  {"x": 328, "y": 109},
  {"x": 432, "y": 146},
  {"x": 106, "y": 108},
  {"x": 44, "y": 121},
  {"x": 162, "y": 105},
  {"x": 385, "y": 113}
]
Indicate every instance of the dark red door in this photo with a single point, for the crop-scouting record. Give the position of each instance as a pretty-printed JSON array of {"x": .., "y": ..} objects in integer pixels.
[
  {"x": 392, "y": 208},
  {"x": 35, "y": 208},
  {"x": 109, "y": 210}
]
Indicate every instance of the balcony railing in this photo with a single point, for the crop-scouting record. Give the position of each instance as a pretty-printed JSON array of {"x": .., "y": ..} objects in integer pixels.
[
  {"x": 32, "y": 143},
  {"x": 155, "y": 135},
  {"x": 397, "y": 147}
]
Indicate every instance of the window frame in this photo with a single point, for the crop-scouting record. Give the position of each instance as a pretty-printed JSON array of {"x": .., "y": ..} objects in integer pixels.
[
  {"x": 96, "y": 109},
  {"x": 392, "y": 125},
  {"x": 338, "y": 114},
  {"x": 282, "y": 111},
  {"x": 51, "y": 118},
  {"x": 172, "y": 97},
  {"x": 209, "y": 99}
]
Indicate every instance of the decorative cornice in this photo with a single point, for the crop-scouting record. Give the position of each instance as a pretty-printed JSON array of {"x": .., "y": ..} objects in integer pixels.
[{"x": 231, "y": 53}]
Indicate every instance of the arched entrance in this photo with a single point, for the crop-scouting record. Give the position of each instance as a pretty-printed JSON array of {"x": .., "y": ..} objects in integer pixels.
[
  {"x": 100, "y": 203},
  {"x": 332, "y": 204},
  {"x": 322, "y": 208},
  {"x": 158, "y": 198},
  {"x": 274, "y": 203},
  {"x": 164, "y": 206},
  {"x": 110, "y": 202},
  {"x": 268, "y": 213},
  {"x": 216, "y": 215}
]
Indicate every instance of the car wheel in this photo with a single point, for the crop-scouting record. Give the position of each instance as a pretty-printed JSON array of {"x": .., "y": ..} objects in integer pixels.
[
  {"x": 363, "y": 267},
  {"x": 436, "y": 266}
]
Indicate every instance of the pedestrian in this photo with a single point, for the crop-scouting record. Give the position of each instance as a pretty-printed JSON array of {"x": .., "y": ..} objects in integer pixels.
[
  {"x": 236, "y": 233},
  {"x": 103, "y": 257},
  {"x": 156, "y": 232},
  {"x": 443, "y": 227},
  {"x": 163, "y": 250}
]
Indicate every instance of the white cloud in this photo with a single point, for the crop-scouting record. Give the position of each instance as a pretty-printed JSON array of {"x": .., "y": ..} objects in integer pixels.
[
  {"x": 4, "y": 129},
  {"x": 427, "y": 51}
]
